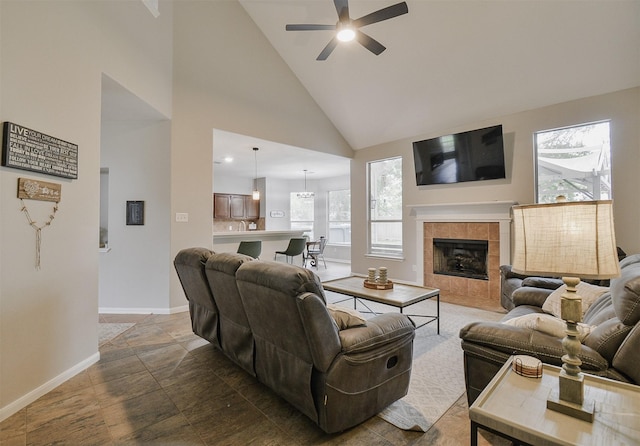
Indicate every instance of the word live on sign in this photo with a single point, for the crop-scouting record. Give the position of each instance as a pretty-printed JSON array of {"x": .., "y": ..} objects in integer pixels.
[{"x": 27, "y": 149}]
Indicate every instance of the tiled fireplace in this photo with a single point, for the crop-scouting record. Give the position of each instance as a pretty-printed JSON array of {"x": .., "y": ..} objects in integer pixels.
[{"x": 464, "y": 230}]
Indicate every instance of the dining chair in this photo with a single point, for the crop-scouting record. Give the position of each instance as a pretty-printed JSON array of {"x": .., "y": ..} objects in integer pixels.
[{"x": 315, "y": 251}]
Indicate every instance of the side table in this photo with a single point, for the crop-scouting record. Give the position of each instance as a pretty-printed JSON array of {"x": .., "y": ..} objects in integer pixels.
[{"x": 515, "y": 407}]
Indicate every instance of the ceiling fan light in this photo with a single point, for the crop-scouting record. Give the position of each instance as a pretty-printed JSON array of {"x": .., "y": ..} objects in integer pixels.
[{"x": 346, "y": 34}]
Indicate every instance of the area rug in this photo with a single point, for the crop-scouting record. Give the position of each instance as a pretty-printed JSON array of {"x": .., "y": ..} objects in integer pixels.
[
  {"x": 437, "y": 376},
  {"x": 109, "y": 331}
]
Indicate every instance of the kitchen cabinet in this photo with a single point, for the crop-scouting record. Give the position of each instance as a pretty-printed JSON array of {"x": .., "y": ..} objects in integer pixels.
[
  {"x": 221, "y": 206},
  {"x": 235, "y": 207},
  {"x": 251, "y": 207}
]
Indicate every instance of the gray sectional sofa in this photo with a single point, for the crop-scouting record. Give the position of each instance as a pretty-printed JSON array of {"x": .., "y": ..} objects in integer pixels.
[
  {"x": 272, "y": 320},
  {"x": 610, "y": 349}
]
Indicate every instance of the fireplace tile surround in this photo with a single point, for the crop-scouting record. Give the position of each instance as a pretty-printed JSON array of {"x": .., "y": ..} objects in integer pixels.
[
  {"x": 463, "y": 290},
  {"x": 489, "y": 221}
]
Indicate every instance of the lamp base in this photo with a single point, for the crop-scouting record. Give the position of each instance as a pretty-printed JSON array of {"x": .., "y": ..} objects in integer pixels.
[{"x": 583, "y": 412}]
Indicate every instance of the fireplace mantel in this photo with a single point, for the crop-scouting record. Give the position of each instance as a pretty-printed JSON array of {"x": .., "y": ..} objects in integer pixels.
[
  {"x": 490, "y": 211},
  {"x": 485, "y": 211}
]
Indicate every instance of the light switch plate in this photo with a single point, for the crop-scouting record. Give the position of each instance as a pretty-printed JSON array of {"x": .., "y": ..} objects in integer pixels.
[{"x": 182, "y": 217}]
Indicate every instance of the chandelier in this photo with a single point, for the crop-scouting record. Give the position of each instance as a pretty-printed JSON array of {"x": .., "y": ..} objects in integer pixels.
[{"x": 305, "y": 194}]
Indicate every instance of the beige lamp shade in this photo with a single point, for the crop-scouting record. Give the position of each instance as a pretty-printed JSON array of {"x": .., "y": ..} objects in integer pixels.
[{"x": 575, "y": 239}]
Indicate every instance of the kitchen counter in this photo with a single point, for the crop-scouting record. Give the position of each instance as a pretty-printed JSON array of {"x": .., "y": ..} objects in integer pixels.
[
  {"x": 254, "y": 235},
  {"x": 272, "y": 241}
]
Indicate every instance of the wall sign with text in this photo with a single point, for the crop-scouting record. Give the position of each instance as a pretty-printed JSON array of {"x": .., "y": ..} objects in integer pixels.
[
  {"x": 27, "y": 149},
  {"x": 276, "y": 214}
]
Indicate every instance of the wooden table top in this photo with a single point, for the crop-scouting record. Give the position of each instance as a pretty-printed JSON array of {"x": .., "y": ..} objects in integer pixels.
[
  {"x": 400, "y": 295},
  {"x": 516, "y": 405}
]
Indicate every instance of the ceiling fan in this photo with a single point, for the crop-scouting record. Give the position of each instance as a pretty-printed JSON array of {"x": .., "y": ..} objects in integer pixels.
[{"x": 348, "y": 29}]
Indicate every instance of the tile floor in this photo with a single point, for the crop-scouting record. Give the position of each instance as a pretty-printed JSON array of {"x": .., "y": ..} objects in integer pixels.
[{"x": 159, "y": 384}]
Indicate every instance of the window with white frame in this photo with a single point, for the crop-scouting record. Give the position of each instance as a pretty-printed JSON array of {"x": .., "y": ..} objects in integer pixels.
[
  {"x": 340, "y": 217},
  {"x": 301, "y": 212},
  {"x": 574, "y": 162},
  {"x": 385, "y": 207}
]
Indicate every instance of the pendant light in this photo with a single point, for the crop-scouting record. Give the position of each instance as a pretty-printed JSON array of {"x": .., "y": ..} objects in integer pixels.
[
  {"x": 305, "y": 194},
  {"x": 256, "y": 192}
]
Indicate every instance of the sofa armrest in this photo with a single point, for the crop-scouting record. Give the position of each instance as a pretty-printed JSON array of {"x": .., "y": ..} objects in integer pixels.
[
  {"x": 527, "y": 295},
  {"x": 507, "y": 273},
  {"x": 386, "y": 329},
  {"x": 524, "y": 341},
  {"x": 549, "y": 283}
]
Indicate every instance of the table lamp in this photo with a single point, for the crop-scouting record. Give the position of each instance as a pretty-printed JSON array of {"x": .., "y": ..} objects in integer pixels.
[{"x": 573, "y": 240}]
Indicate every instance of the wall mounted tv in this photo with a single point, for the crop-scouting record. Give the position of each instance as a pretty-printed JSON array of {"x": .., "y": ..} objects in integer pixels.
[{"x": 468, "y": 156}]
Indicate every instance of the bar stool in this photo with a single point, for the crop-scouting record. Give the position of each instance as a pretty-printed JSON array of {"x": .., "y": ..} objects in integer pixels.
[
  {"x": 251, "y": 248},
  {"x": 295, "y": 248}
]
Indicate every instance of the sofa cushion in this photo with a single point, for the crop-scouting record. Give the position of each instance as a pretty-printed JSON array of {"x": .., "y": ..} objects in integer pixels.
[
  {"x": 517, "y": 341},
  {"x": 589, "y": 294},
  {"x": 600, "y": 311},
  {"x": 190, "y": 267},
  {"x": 607, "y": 337},
  {"x": 548, "y": 283},
  {"x": 625, "y": 290},
  {"x": 282, "y": 277},
  {"x": 547, "y": 323},
  {"x": 236, "y": 338},
  {"x": 346, "y": 317},
  {"x": 626, "y": 359},
  {"x": 521, "y": 310},
  {"x": 527, "y": 295}
]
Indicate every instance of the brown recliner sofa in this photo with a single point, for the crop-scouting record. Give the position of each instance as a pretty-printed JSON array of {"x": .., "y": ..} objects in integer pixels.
[
  {"x": 189, "y": 264},
  {"x": 611, "y": 349},
  {"x": 338, "y": 378},
  {"x": 511, "y": 281},
  {"x": 236, "y": 339}
]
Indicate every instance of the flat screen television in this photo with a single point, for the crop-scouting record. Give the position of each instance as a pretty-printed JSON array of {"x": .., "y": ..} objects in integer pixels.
[{"x": 468, "y": 156}]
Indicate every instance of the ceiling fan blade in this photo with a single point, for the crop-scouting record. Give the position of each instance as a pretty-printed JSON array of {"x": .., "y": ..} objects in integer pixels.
[
  {"x": 328, "y": 49},
  {"x": 370, "y": 43},
  {"x": 309, "y": 27},
  {"x": 382, "y": 14},
  {"x": 342, "y": 7}
]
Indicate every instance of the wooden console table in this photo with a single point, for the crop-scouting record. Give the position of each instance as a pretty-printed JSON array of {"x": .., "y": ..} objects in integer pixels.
[{"x": 515, "y": 407}]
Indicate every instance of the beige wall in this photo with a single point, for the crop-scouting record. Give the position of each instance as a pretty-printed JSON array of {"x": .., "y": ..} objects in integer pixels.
[
  {"x": 53, "y": 56},
  {"x": 622, "y": 108},
  {"x": 244, "y": 88},
  {"x": 134, "y": 273}
]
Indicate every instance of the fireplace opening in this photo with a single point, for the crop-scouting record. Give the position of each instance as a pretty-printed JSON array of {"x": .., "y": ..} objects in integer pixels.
[{"x": 462, "y": 258}]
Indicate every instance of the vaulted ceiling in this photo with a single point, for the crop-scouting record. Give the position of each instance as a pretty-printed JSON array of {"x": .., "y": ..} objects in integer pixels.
[{"x": 449, "y": 63}]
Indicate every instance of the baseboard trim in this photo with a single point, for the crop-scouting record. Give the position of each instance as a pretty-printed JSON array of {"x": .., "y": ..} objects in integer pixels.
[
  {"x": 344, "y": 261},
  {"x": 25, "y": 400}
]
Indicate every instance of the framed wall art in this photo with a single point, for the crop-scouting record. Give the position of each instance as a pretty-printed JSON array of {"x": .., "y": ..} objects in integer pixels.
[
  {"x": 27, "y": 149},
  {"x": 135, "y": 213}
]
